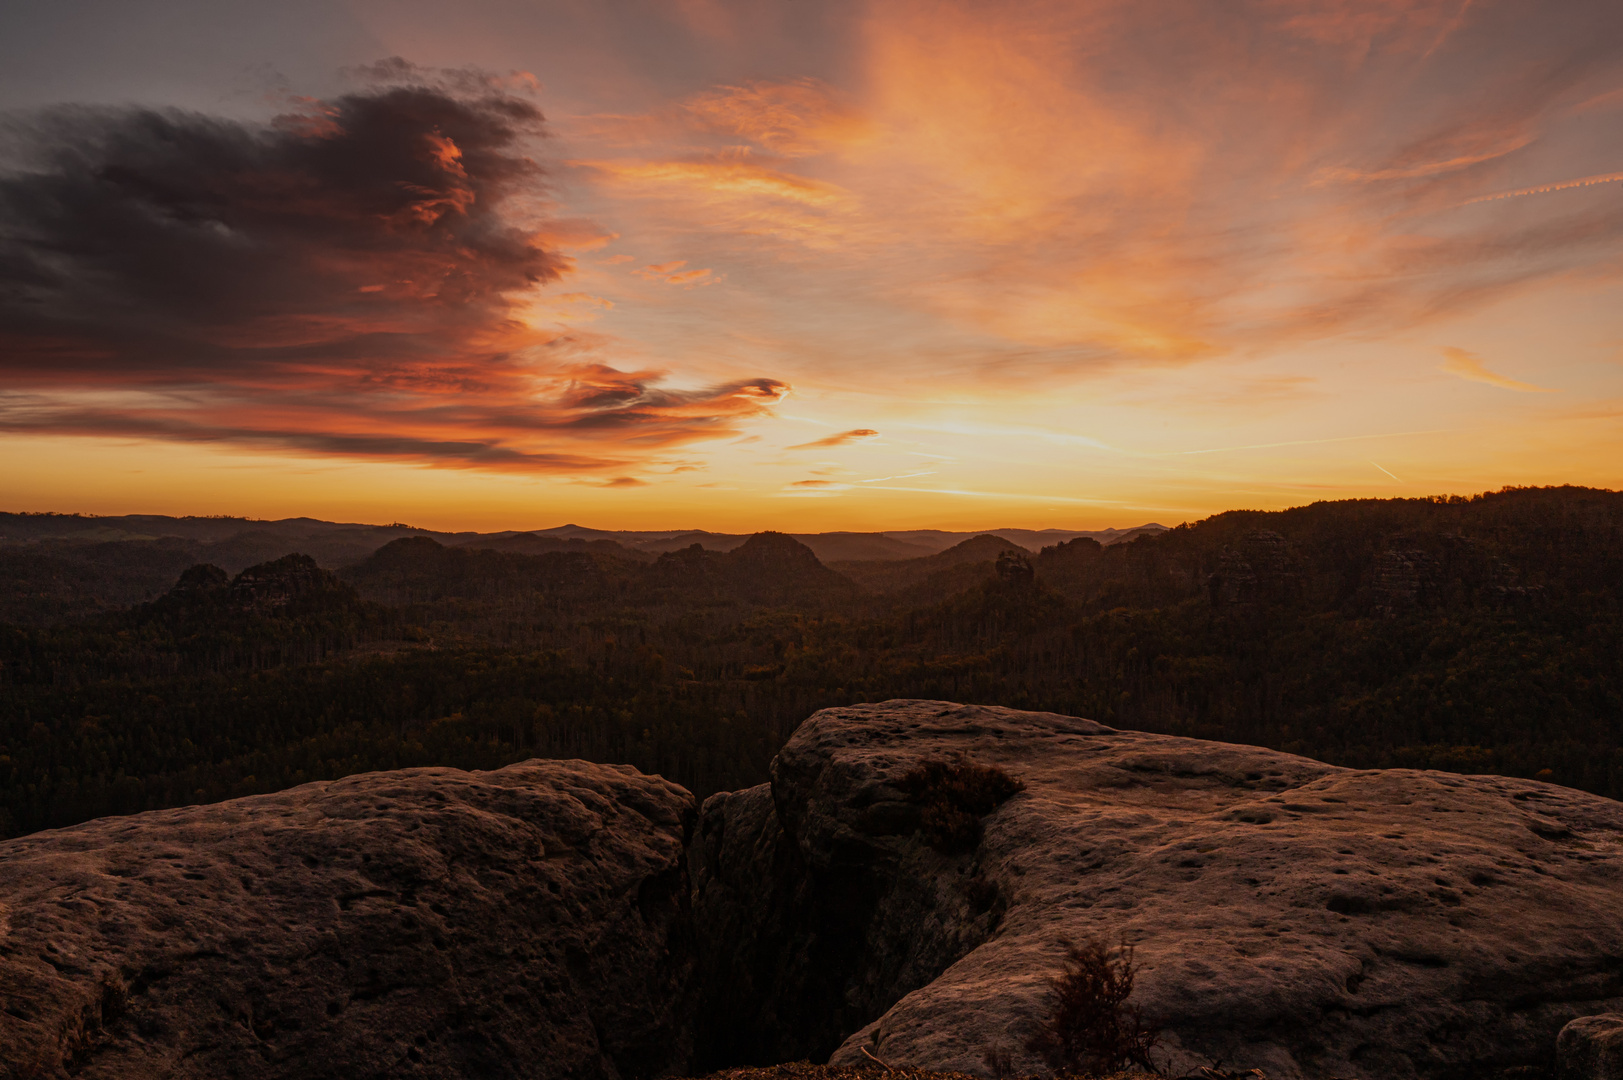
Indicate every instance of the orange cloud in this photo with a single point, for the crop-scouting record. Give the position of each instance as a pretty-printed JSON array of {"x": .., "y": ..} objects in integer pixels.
[
  {"x": 791, "y": 119},
  {"x": 844, "y": 437},
  {"x": 1359, "y": 25},
  {"x": 672, "y": 274},
  {"x": 814, "y": 488},
  {"x": 1468, "y": 365},
  {"x": 733, "y": 175}
]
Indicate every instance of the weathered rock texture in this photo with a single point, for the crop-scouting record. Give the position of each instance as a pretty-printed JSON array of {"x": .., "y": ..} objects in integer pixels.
[
  {"x": 1591, "y": 1048},
  {"x": 531, "y": 921},
  {"x": 1309, "y": 920}
]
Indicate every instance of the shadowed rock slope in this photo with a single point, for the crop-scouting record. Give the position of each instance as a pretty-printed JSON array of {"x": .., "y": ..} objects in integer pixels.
[
  {"x": 531, "y": 921},
  {"x": 1289, "y": 915}
]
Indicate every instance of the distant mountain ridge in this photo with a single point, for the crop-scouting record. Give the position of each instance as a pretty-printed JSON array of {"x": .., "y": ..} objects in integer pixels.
[
  {"x": 69, "y": 566},
  {"x": 59, "y": 567},
  {"x": 334, "y": 543},
  {"x": 855, "y": 546}
]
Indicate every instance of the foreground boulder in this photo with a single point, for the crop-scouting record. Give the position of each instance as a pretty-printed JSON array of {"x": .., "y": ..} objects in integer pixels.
[
  {"x": 1286, "y": 914},
  {"x": 528, "y": 922}
]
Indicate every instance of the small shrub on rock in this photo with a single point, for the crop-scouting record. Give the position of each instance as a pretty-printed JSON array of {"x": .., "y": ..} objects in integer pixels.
[
  {"x": 955, "y": 794},
  {"x": 1090, "y": 1027}
]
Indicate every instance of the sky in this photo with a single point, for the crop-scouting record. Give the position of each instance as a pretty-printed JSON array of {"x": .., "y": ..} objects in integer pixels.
[{"x": 805, "y": 264}]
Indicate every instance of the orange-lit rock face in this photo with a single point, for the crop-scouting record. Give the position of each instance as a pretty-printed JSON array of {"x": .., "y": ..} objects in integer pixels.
[
  {"x": 1286, "y": 914},
  {"x": 1073, "y": 264}
]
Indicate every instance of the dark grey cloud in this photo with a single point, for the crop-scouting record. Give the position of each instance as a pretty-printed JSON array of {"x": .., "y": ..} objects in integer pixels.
[{"x": 340, "y": 280}]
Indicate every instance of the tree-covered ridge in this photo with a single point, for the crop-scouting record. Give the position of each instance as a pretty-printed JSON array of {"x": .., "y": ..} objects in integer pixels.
[{"x": 1478, "y": 635}]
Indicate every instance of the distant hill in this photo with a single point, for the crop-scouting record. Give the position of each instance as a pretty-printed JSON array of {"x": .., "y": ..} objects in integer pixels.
[
  {"x": 419, "y": 569},
  {"x": 537, "y": 544},
  {"x": 947, "y": 572},
  {"x": 768, "y": 568},
  {"x": 846, "y": 546}
]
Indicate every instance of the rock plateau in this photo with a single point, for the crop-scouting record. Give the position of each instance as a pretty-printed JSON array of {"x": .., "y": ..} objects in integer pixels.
[
  {"x": 527, "y": 922},
  {"x": 1309, "y": 920}
]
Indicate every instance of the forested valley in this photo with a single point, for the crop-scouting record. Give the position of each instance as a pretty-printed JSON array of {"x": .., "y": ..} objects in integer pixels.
[{"x": 1480, "y": 634}]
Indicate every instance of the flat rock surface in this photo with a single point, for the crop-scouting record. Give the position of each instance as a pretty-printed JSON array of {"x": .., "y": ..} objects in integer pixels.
[
  {"x": 1309, "y": 920},
  {"x": 527, "y": 922}
]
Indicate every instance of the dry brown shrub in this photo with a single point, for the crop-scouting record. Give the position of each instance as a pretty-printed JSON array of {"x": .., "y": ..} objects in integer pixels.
[
  {"x": 955, "y": 794},
  {"x": 1090, "y": 1028}
]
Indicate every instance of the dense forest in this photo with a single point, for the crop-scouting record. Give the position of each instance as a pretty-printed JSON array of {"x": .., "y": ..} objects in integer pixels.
[{"x": 1479, "y": 634}]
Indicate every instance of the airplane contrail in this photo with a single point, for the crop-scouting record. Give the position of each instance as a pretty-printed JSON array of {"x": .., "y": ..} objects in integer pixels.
[
  {"x": 1385, "y": 470},
  {"x": 1582, "y": 181},
  {"x": 1313, "y": 442}
]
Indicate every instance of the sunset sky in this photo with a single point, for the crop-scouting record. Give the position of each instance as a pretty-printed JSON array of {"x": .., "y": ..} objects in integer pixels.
[{"x": 805, "y": 264}]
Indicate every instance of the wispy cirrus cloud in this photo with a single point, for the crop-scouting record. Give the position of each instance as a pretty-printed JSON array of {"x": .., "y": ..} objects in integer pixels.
[
  {"x": 1089, "y": 185},
  {"x": 678, "y": 273},
  {"x": 814, "y": 488},
  {"x": 344, "y": 280},
  {"x": 842, "y": 439},
  {"x": 1468, "y": 365}
]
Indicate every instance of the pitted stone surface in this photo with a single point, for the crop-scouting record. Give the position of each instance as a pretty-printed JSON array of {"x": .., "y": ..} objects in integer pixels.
[
  {"x": 1286, "y": 914},
  {"x": 527, "y": 922}
]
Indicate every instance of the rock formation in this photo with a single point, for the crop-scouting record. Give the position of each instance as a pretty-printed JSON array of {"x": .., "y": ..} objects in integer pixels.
[
  {"x": 277, "y": 584},
  {"x": 1261, "y": 571},
  {"x": 1591, "y": 1048},
  {"x": 531, "y": 921},
  {"x": 904, "y": 887},
  {"x": 1286, "y": 914}
]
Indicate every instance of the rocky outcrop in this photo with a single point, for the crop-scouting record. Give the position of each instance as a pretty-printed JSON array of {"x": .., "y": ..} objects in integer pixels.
[
  {"x": 531, "y": 921},
  {"x": 1591, "y": 1048},
  {"x": 278, "y": 584},
  {"x": 1261, "y": 570},
  {"x": 1403, "y": 578},
  {"x": 1286, "y": 914}
]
